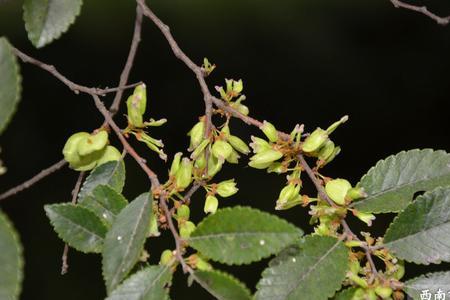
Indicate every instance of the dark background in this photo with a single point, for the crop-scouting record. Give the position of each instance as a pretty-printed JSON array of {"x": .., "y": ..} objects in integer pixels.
[{"x": 301, "y": 61}]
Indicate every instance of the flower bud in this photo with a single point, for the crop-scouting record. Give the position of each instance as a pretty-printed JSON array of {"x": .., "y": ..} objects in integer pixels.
[
  {"x": 270, "y": 131},
  {"x": 197, "y": 134},
  {"x": 258, "y": 144},
  {"x": 186, "y": 229},
  {"x": 227, "y": 188},
  {"x": 259, "y": 166},
  {"x": 135, "y": 116},
  {"x": 365, "y": 217},
  {"x": 243, "y": 109},
  {"x": 153, "y": 231},
  {"x": 313, "y": 142},
  {"x": 326, "y": 151},
  {"x": 288, "y": 192},
  {"x": 277, "y": 168},
  {"x": 383, "y": 291},
  {"x": 356, "y": 193},
  {"x": 336, "y": 124},
  {"x": 183, "y": 212},
  {"x": 200, "y": 161},
  {"x": 175, "y": 164},
  {"x": 293, "y": 201},
  {"x": 400, "y": 272},
  {"x": 266, "y": 156},
  {"x": 337, "y": 189},
  {"x": 225, "y": 131},
  {"x": 184, "y": 174},
  {"x": 211, "y": 204},
  {"x": 202, "y": 264},
  {"x": 199, "y": 149},
  {"x": 94, "y": 142},
  {"x": 214, "y": 165},
  {"x": 233, "y": 158},
  {"x": 110, "y": 154},
  {"x": 238, "y": 86},
  {"x": 222, "y": 93},
  {"x": 238, "y": 144},
  {"x": 166, "y": 257},
  {"x": 221, "y": 149}
]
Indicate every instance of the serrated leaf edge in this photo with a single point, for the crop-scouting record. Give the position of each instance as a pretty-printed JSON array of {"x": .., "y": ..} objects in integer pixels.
[
  {"x": 18, "y": 85},
  {"x": 423, "y": 276},
  {"x": 224, "y": 274},
  {"x": 419, "y": 198},
  {"x": 163, "y": 270},
  {"x": 78, "y": 206},
  {"x": 38, "y": 44},
  {"x": 309, "y": 270},
  {"x": 20, "y": 261},
  {"x": 384, "y": 161}
]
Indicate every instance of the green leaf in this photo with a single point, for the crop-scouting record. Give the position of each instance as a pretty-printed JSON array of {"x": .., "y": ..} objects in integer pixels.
[
  {"x": 391, "y": 184},
  {"x": 77, "y": 226},
  {"x": 242, "y": 235},
  {"x": 431, "y": 282},
  {"x": 222, "y": 286},
  {"x": 105, "y": 202},
  {"x": 421, "y": 233},
  {"x": 313, "y": 270},
  {"x": 11, "y": 262},
  {"x": 125, "y": 241},
  {"x": 46, "y": 20},
  {"x": 111, "y": 173},
  {"x": 10, "y": 84},
  {"x": 346, "y": 294},
  {"x": 147, "y": 284}
]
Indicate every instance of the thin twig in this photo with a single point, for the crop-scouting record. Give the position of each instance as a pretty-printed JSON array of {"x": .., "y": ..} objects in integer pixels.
[
  {"x": 177, "y": 238},
  {"x": 130, "y": 60},
  {"x": 76, "y": 190},
  {"x": 141, "y": 161},
  {"x": 35, "y": 179},
  {"x": 198, "y": 71},
  {"x": 423, "y": 10},
  {"x": 76, "y": 88}
]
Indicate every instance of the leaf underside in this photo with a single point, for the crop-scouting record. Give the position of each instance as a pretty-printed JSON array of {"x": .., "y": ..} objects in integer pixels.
[
  {"x": 433, "y": 282},
  {"x": 313, "y": 270},
  {"x": 242, "y": 235},
  {"x": 47, "y": 20},
  {"x": 421, "y": 233},
  {"x": 391, "y": 183}
]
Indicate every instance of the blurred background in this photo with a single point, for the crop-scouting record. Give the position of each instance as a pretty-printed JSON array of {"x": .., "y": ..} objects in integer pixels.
[{"x": 303, "y": 61}]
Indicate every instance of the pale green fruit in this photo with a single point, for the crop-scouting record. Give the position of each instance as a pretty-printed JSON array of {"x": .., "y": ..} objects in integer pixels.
[
  {"x": 337, "y": 189},
  {"x": 221, "y": 149},
  {"x": 175, "y": 164},
  {"x": 87, "y": 162},
  {"x": 383, "y": 292},
  {"x": 313, "y": 142},
  {"x": 110, "y": 154},
  {"x": 184, "y": 174},
  {"x": 270, "y": 131},
  {"x": 327, "y": 150},
  {"x": 94, "y": 142},
  {"x": 197, "y": 134},
  {"x": 202, "y": 264},
  {"x": 227, "y": 188},
  {"x": 183, "y": 212},
  {"x": 266, "y": 156},
  {"x": 211, "y": 204},
  {"x": 214, "y": 165},
  {"x": 166, "y": 257},
  {"x": 70, "y": 150},
  {"x": 186, "y": 229},
  {"x": 238, "y": 144},
  {"x": 233, "y": 158}
]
